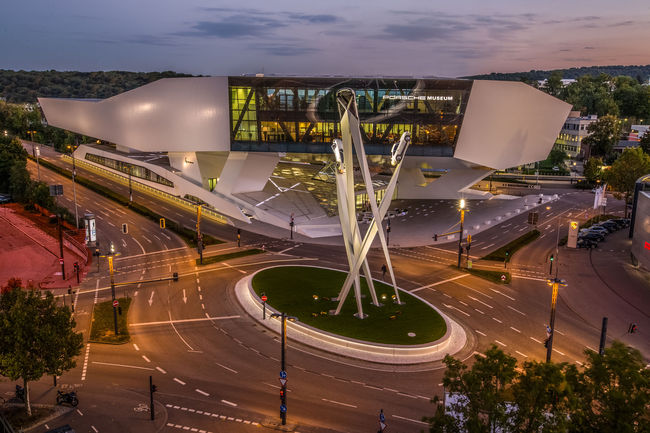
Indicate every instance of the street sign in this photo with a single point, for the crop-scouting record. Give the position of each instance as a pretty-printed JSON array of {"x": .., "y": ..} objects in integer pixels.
[
  {"x": 283, "y": 408},
  {"x": 503, "y": 277},
  {"x": 533, "y": 217},
  {"x": 115, "y": 303},
  {"x": 60, "y": 261},
  {"x": 283, "y": 382},
  {"x": 56, "y": 190},
  {"x": 264, "y": 298},
  {"x": 283, "y": 374}
]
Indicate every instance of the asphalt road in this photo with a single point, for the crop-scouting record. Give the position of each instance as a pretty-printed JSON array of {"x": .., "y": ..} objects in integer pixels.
[{"x": 216, "y": 369}]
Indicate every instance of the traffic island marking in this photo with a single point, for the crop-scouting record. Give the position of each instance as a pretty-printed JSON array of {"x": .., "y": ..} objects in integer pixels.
[{"x": 208, "y": 414}]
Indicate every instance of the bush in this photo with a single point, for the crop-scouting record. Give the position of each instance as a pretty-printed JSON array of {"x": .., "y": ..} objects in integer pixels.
[
  {"x": 513, "y": 246},
  {"x": 223, "y": 257},
  {"x": 103, "y": 325}
]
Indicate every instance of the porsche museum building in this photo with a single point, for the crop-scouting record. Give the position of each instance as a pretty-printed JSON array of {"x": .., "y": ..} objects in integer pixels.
[{"x": 259, "y": 147}]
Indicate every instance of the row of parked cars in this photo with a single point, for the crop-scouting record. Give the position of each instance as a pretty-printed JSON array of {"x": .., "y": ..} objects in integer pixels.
[{"x": 589, "y": 237}]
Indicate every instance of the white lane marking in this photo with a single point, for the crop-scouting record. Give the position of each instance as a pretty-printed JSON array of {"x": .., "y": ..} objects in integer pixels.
[
  {"x": 85, "y": 367},
  {"x": 479, "y": 311},
  {"x": 438, "y": 283},
  {"x": 525, "y": 356},
  {"x": 94, "y": 429},
  {"x": 500, "y": 343},
  {"x": 409, "y": 419},
  {"x": 151, "y": 297},
  {"x": 527, "y": 278},
  {"x": 229, "y": 403},
  {"x": 480, "y": 332},
  {"x": 463, "y": 303},
  {"x": 161, "y": 370},
  {"x": 514, "y": 309},
  {"x": 233, "y": 267},
  {"x": 176, "y": 330},
  {"x": 184, "y": 297},
  {"x": 145, "y": 358},
  {"x": 140, "y": 245},
  {"x": 288, "y": 249},
  {"x": 474, "y": 290},
  {"x": 457, "y": 309},
  {"x": 579, "y": 363},
  {"x": 202, "y": 392},
  {"x": 555, "y": 350},
  {"x": 561, "y": 333},
  {"x": 494, "y": 318},
  {"x": 147, "y": 239},
  {"x": 515, "y": 329},
  {"x": 503, "y": 294},
  {"x": 110, "y": 364},
  {"x": 111, "y": 224},
  {"x": 488, "y": 246},
  {"x": 338, "y": 402},
  {"x": 135, "y": 346},
  {"x": 536, "y": 340},
  {"x": 227, "y": 368},
  {"x": 179, "y": 381},
  {"x": 171, "y": 322},
  {"x": 80, "y": 412},
  {"x": 478, "y": 300}
]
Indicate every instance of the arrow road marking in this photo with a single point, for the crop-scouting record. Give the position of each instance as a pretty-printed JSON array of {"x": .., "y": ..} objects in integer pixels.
[
  {"x": 151, "y": 298},
  {"x": 184, "y": 297}
]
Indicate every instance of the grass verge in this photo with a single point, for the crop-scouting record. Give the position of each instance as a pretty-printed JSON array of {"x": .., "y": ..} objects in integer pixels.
[
  {"x": 222, "y": 257},
  {"x": 509, "y": 249},
  {"x": 494, "y": 276},
  {"x": 188, "y": 235},
  {"x": 307, "y": 294},
  {"x": 103, "y": 325},
  {"x": 18, "y": 418}
]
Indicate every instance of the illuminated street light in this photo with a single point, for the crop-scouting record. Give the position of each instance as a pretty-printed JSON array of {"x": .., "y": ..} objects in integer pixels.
[{"x": 461, "y": 207}]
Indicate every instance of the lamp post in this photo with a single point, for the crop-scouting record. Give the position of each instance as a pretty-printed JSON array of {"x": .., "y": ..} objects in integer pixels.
[
  {"x": 461, "y": 208},
  {"x": 283, "y": 373},
  {"x": 130, "y": 188},
  {"x": 38, "y": 164},
  {"x": 74, "y": 189},
  {"x": 110, "y": 256},
  {"x": 555, "y": 283}
]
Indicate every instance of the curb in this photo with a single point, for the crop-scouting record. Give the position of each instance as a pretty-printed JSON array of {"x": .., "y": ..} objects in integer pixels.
[{"x": 452, "y": 342}]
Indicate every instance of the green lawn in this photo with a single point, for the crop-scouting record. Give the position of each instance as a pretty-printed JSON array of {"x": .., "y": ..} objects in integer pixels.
[
  {"x": 223, "y": 257},
  {"x": 292, "y": 288},
  {"x": 103, "y": 326},
  {"x": 511, "y": 247}
]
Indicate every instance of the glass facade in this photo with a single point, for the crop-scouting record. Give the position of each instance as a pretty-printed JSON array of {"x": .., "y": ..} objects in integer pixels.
[
  {"x": 300, "y": 115},
  {"x": 136, "y": 170}
]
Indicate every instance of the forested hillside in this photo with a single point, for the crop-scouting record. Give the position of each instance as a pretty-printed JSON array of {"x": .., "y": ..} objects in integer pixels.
[
  {"x": 640, "y": 73},
  {"x": 25, "y": 86}
]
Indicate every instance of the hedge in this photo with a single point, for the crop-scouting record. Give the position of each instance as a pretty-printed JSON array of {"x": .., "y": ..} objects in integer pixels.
[
  {"x": 188, "y": 235},
  {"x": 223, "y": 257},
  {"x": 513, "y": 246}
]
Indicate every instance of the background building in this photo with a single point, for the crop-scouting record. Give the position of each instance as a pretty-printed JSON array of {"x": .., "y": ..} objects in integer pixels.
[{"x": 573, "y": 132}]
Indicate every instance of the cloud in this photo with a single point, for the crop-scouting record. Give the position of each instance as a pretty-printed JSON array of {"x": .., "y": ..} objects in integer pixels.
[
  {"x": 285, "y": 50},
  {"x": 160, "y": 41},
  {"x": 589, "y": 48},
  {"x": 315, "y": 19},
  {"x": 233, "y": 27}
]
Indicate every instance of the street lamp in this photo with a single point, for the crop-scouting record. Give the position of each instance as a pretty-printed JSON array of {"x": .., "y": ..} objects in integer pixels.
[
  {"x": 461, "y": 208},
  {"x": 74, "y": 189},
  {"x": 38, "y": 165},
  {"x": 110, "y": 256},
  {"x": 555, "y": 283},
  {"x": 283, "y": 371}
]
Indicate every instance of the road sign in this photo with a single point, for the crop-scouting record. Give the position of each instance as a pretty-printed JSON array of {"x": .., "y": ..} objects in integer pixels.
[
  {"x": 283, "y": 408},
  {"x": 264, "y": 298},
  {"x": 283, "y": 382},
  {"x": 60, "y": 261},
  {"x": 56, "y": 190},
  {"x": 503, "y": 277},
  {"x": 283, "y": 374},
  {"x": 115, "y": 303}
]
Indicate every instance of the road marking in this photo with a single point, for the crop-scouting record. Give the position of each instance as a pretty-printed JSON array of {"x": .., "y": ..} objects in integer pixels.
[
  {"x": 338, "y": 402},
  {"x": 227, "y": 368},
  {"x": 151, "y": 298},
  {"x": 535, "y": 339},
  {"x": 287, "y": 249},
  {"x": 175, "y": 330},
  {"x": 161, "y": 370},
  {"x": 514, "y": 309},
  {"x": 202, "y": 392},
  {"x": 555, "y": 350},
  {"x": 140, "y": 245},
  {"x": 184, "y": 297},
  {"x": 494, "y": 318},
  {"x": 525, "y": 356},
  {"x": 488, "y": 246},
  {"x": 147, "y": 239},
  {"x": 521, "y": 277},
  {"x": 171, "y": 322},
  {"x": 179, "y": 381},
  {"x": 515, "y": 329},
  {"x": 229, "y": 403},
  {"x": 111, "y": 224},
  {"x": 479, "y": 311},
  {"x": 145, "y": 358},
  {"x": 409, "y": 419},
  {"x": 463, "y": 303},
  {"x": 457, "y": 309},
  {"x": 122, "y": 365},
  {"x": 561, "y": 333},
  {"x": 504, "y": 345},
  {"x": 135, "y": 346},
  {"x": 438, "y": 283},
  {"x": 233, "y": 267},
  {"x": 85, "y": 367},
  {"x": 579, "y": 363},
  {"x": 478, "y": 300},
  {"x": 591, "y": 348},
  {"x": 94, "y": 429},
  {"x": 480, "y": 332},
  {"x": 80, "y": 412},
  {"x": 503, "y": 294}
]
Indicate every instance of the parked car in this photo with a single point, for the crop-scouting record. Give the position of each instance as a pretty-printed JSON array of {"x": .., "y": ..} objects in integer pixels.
[
  {"x": 610, "y": 226},
  {"x": 596, "y": 237},
  {"x": 597, "y": 227},
  {"x": 597, "y": 230},
  {"x": 622, "y": 222},
  {"x": 586, "y": 243}
]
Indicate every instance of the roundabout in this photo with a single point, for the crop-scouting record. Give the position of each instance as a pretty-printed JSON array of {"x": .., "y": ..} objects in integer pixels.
[{"x": 408, "y": 333}]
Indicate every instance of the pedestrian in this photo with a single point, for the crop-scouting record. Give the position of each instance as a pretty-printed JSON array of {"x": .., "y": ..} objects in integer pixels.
[
  {"x": 382, "y": 421},
  {"x": 383, "y": 271}
]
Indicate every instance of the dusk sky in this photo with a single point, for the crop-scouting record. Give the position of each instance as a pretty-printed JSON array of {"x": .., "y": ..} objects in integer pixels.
[{"x": 379, "y": 37}]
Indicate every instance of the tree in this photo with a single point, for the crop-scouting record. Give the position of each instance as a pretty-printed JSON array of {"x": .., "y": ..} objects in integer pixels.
[
  {"x": 644, "y": 142},
  {"x": 593, "y": 169},
  {"x": 10, "y": 152},
  {"x": 37, "y": 337},
  {"x": 603, "y": 135},
  {"x": 554, "y": 83},
  {"x": 557, "y": 157},
  {"x": 481, "y": 390},
  {"x": 20, "y": 183},
  {"x": 626, "y": 170},
  {"x": 614, "y": 392}
]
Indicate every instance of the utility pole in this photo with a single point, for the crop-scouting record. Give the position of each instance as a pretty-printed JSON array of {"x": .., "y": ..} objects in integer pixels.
[
  {"x": 460, "y": 237},
  {"x": 291, "y": 225},
  {"x": 152, "y": 388},
  {"x": 388, "y": 232},
  {"x": 38, "y": 164},
  {"x": 130, "y": 188},
  {"x": 74, "y": 190},
  {"x": 199, "y": 236},
  {"x": 58, "y": 220},
  {"x": 283, "y": 372},
  {"x": 603, "y": 337},
  {"x": 555, "y": 284},
  {"x": 110, "y": 268}
]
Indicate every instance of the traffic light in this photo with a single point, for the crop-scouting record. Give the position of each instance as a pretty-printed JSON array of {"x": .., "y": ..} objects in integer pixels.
[
  {"x": 552, "y": 258},
  {"x": 632, "y": 328},
  {"x": 469, "y": 239},
  {"x": 175, "y": 276},
  {"x": 119, "y": 310},
  {"x": 125, "y": 228},
  {"x": 435, "y": 238},
  {"x": 162, "y": 223},
  {"x": 282, "y": 394},
  {"x": 154, "y": 388},
  {"x": 546, "y": 342}
]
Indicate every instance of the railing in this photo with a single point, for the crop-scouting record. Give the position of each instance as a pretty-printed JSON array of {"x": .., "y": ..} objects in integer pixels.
[
  {"x": 124, "y": 180},
  {"x": 5, "y": 427}
]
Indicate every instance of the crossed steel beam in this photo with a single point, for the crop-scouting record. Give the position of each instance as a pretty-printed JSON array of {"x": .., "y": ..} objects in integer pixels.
[{"x": 357, "y": 247}]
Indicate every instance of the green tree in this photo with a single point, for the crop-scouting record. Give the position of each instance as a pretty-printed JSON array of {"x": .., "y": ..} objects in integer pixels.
[
  {"x": 603, "y": 135},
  {"x": 613, "y": 392},
  {"x": 20, "y": 184},
  {"x": 593, "y": 169},
  {"x": 623, "y": 174},
  {"x": 557, "y": 157},
  {"x": 37, "y": 337},
  {"x": 644, "y": 142},
  {"x": 11, "y": 151},
  {"x": 554, "y": 83},
  {"x": 481, "y": 389}
]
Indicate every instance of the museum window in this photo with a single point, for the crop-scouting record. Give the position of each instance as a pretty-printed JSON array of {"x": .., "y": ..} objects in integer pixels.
[{"x": 124, "y": 167}]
